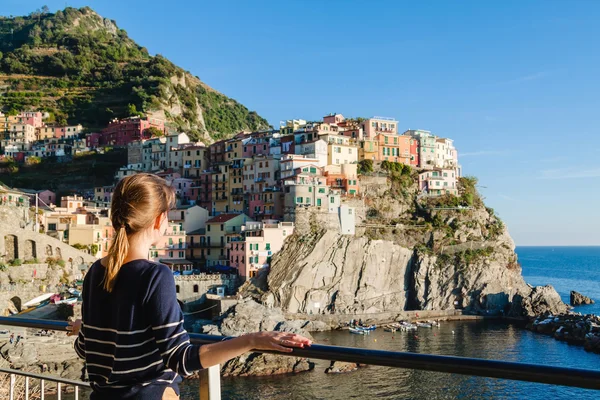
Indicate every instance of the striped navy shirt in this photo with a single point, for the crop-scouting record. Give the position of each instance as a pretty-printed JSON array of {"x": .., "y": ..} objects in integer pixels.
[{"x": 132, "y": 339}]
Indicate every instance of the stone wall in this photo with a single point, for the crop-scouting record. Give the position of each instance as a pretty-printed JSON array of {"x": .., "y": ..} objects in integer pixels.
[
  {"x": 194, "y": 287},
  {"x": 26, "y": 244}
]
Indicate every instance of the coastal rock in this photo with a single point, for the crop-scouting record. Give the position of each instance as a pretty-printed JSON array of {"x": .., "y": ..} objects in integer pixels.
[
  {"x": 255, "y": 364},
  {"x": 21, "y": 356},
  {"x": 73, "y": 369},
  {"x": 570, "y": 327},
  {"x": 340, "y": 367},
  {"x": 579, "y": 299},
  {"x": 535, "y": 301},
  {"x": 321, "y": 271}
]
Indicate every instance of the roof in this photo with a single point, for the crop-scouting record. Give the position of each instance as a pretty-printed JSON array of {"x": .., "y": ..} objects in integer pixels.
[
  {"x": 33, "y": 191},
  {"x": 200, "y": 231},
  {"x": 222, "y": 218}
]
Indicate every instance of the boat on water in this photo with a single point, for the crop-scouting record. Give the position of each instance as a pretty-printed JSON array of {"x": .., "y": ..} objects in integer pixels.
[
  {"x": 74, "y": 292},
  {"x": 359, "y": 331},
  {"x": 37, "y": 300},
  {"x": 364, "y": 328},
  {"x": 423, "y": 325}
]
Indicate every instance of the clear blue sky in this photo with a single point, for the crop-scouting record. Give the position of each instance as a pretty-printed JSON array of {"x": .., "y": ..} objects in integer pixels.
[{"x": 514, "y": 83}]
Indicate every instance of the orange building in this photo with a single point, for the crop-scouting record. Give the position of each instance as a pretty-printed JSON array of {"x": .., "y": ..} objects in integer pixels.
[{"x": 393, "y": 148}]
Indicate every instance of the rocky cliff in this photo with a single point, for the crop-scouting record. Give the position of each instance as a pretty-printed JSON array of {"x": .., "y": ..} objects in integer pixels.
[{"x": 409, "y": 253}]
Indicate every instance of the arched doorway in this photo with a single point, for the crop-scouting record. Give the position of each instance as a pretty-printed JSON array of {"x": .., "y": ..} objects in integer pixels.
[
  {"x": 30, "y": 250},
  {"x": 11, "y": 247}
]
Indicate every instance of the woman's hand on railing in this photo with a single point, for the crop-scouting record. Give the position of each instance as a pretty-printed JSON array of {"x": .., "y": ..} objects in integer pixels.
[
  {"x": 279, "y": 341},
  {"x": 220, "y": 352},
  {"x": 74, "y": 327}
]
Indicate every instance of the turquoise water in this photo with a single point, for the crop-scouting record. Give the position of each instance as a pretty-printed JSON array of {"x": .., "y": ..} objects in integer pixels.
[{"x": 565, "y": 268}]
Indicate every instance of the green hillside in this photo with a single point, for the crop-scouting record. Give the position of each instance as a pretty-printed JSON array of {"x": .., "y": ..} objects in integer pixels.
[{"x": 82, "y": 68}]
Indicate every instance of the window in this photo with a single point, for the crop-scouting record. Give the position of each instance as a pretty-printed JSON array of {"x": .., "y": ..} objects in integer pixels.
[
  {"x": 308, "y": 200},
  {"x": 313, "y": 170},
  {"x": 349, "y": 211},
  {"x": 318, "y": 203},
  {"x": 195, "y": 288},
  {"x": 332, "y": 200},
  {"x": 176, "y": 288},
  {"x": 268, "y": 246},
  {"x": 298, "y": 200},
  {"x": 310, "y": 189}
]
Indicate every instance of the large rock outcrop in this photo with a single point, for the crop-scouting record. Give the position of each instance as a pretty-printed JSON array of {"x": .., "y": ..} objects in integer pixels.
[
  {"x": 578, "y": 299},
  {"x": 423, "y": 257}
]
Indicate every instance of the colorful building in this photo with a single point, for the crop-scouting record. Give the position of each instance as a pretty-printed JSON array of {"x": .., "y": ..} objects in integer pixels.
[
  {"x": 258, "y": 243},
  {"x": 220, "y": 230},
  {"x": 376, "y": 125},
  {"x": 171, "y": 250},
  {"x": 120, "y": 132},
  {"x": 427, "y": 145},
  {"x": 438, "y": 182}
]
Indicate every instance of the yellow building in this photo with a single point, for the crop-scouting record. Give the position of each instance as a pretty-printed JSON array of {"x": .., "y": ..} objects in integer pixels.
[
  {"x": 220, "y": 188},
  {"x": 219, "y": 231},
  {"x": 340, "y": 149}
]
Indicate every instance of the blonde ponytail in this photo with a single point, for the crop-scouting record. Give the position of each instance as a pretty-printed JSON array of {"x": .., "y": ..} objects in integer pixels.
[
  {"x": 137, "y": 201},
  {"x": 116, "y": 254}
]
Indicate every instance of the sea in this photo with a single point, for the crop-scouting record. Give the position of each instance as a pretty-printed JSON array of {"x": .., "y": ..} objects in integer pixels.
[{"x": 566, "y": 268}]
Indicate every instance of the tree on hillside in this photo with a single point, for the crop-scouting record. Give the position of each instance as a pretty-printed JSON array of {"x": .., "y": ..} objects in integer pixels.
[
  {"x": 154, "y": 132},
  {"x": 132, "y": 111},
  {"x": 45, "y": 9}
]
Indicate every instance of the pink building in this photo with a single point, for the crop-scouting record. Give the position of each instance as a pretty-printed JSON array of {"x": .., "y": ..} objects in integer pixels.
[
  {"x": 184, "y": 188},
  {"x": 93, "y": 140},
  {"x": 373, "y": 126},
  {"x": 260, "y": 241},
  {"x": 255, "y": 146},
  {"x": 31, "y": 118},
  {"x": 45, "y": 197},
  {"x": 334, "y": 119},
  {"x": 123, "y": 131},
  {"x": 171, "y": 250},
  {"x": 438, "y": 182},
  {"x": 414, "y": 152}
]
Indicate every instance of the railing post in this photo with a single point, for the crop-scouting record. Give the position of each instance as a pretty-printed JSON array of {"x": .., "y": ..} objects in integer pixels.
[
  {"x": 12, "y": 387},
  {"x": 42, "y": 390},
  {"x": 210, "y": 383},
  {"x": 58, "y": 390},
  {"x": 26, "y": 388}
]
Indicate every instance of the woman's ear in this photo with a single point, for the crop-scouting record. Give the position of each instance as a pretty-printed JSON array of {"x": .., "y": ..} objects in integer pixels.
[{"x": 158, "y": 221}]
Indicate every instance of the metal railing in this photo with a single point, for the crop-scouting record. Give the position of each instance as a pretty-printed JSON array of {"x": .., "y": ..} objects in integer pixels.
[
  {"x": 43, "y": 379},
  {"x": 210, "y": 386}
]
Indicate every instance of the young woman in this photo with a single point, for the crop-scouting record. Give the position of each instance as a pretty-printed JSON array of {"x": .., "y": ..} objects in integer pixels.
[{"x": 131, "y": 334}]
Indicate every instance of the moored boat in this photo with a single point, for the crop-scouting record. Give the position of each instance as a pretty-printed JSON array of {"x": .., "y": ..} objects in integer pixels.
[{"x": 359, "y": 331}]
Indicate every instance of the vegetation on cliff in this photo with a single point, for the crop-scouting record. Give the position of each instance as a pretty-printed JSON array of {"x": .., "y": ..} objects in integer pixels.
[
  {"x": 81, "y": 68},
  {"x": 84, "y": 171}
]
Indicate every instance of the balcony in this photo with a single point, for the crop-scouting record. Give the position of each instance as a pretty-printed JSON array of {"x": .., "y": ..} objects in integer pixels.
[{"x": 177, "y": 233}]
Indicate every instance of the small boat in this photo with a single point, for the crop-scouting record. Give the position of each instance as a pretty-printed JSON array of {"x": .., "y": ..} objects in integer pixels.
[
  {"x": 365, "y": 328},
  {"x": 423, "y": 325},
  {"x": 37, "y": 300},
  {"x": 359, "y": 331},
  {"x": 71, "y": 300},
  {"x": 74, "y": 292}
]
